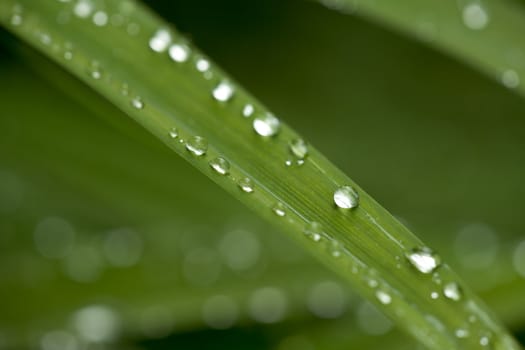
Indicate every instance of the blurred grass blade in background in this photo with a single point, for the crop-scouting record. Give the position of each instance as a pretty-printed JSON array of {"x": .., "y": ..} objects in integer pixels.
[{"x": 148, "y": 70}]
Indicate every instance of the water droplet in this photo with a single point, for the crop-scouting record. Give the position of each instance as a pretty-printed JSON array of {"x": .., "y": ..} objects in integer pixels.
[
  {"x": 197, "y": 145},
  {"x": 223, "y": 92},
  {"x": 299, "y": 148},
  {"x": 248, "y": 110},
  {"x": 96, "y": 73},
  {"x": 179, "y": 52},
  {"x": 510, "y": 78},
  {"x": 288, "y": 162},
  {"x": 173, "y": 133},
  {"x": 383, "y": 297},
  {"x": 220, "y": 165},
  {"x": 462, "y": 333},
  {"x": 346, "y": 197},
  {"x": 202, "y": 65},
  {"x": 100, "y": 18},
  {"x": 335, "y": 249},
  {"x": 266, "y": 125},
  {"x": 484, "y": 340},
  {"x": 475, "y": 17},
  {"x": 279, "y": 209},
  {"x": 424, "y": 259},
  {"x": 45, "y": 39},
  {"x": 16, "y": 19},
  {"x": 434, "y": 295},
  {"x": 314, "y": 231},
  {"x": 160, "y": 41},
  {"x": 246, "y": 185},
  {"x": 137, "y": 103},
  {"x": 83, "y": 8},
  {"x": 452, "y": 291}
]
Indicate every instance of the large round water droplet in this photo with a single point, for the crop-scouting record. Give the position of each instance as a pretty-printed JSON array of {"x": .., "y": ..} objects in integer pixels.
[
  {"x": 220, "y": 165},
  {"x": 299, "y": 148},
  {"x": 424, "y": 259},
  {"x": 197, "y": 145},
  {"x": 266, "y": 125},
  {"x": 246, "y": 185},
  {"x": 223, "y": 92},
  {"x": 453, "y": 291},
  {"x": 346, "y": 197}
]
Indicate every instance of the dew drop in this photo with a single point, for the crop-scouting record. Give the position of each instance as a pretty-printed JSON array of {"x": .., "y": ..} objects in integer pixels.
[
  {"x": 197, "y": 145},
  {"x": 220, "y": 165},
  {"x": 100, "y": 18},
  {"x": 346, "y": 197},
  {"x": 452, "y": 291},
  {"x": 137, "y": 103},
  {"x": 173, "y": 133},
  {"x": 246, "y": 185},
  {"x": 475, "y": 17},
  {"x": 335, "y": 249},
  {"x": 299, "y": 148},
  {"x": 202, "y": 65},
  {"x": 160, "y": 41},
  {"x": 223, "y": 92},
  {"x": 383, "y": 297},
  {"x": 83, "y": 8},
  {"x": 510, "y": 79},
  {"x": 179, "y": 52},
  {"x": 462, "y": 333},
  {"x": 313, "y": 230},
  {"x": 434, "y": 295},
  {"x": 248, "y": 110},
  {"x": 266, "y": 125},
  {"x": 424, "y": 260},
  {"x": 279, "y": 209},
  {"x": 288, "y": 162}
]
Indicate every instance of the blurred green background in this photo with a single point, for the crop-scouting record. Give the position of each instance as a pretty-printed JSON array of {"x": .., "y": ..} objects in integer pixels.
[{"x": 96, "y": 252}]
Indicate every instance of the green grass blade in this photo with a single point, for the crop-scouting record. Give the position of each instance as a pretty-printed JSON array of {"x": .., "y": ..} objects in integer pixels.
[
  {"x": 485, "y": 34},
  {"x": 107, "y": 47}
]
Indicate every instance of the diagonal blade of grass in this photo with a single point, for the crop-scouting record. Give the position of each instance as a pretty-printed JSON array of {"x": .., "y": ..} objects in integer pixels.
[{"x": 198, "y": 112}]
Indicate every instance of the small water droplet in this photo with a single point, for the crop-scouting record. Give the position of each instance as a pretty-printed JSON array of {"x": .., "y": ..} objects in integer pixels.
[
  {"x": 299, "y": 148},
  {"x": 383, "y": 297},
  {"x": 279, "y": 209},
  {"x": 223, "y": 92},
  {"x": 288, "y": 162},
  {"x": 248, "y": 110},
  {"x": 462, "y": 333},
  {"x": 137, "y": 103},
  {"x": 100, "y": 18},
  {"x": 475, "y": 16},
  {"x": 160, "y": 41},
  {"x": 434, "y": 295},
  {"x": 510, "y": 78},
  {"x": 16, "y": 19},
  {"x": 179, "y": 52},
  {"x": 314, "y": 231},
  {"x": 68, "y": 55},
  {"x": 484, "y": 340},
  {"x": 45, "y": 39},
  {"x": 197, "y": 145},
  {"x": 335, "y": 248},
  {"x": 424, "y": 260},
  {"x": 246, "y": 185},
  {"x": 346, "y": 197},
  {"x": 202, "y": 65},
  {"x": 220, "y": 165},
  {"x": 266, "y": 125},
  {"x": 174, "y": 133},
  {"x": 452, "y": 291},
  {"x": 83, "y": 8}
]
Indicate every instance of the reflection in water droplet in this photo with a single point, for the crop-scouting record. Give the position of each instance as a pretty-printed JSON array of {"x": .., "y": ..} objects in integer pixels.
[
  {"x": 220, "y": 312},
  {"x": 279, "y": 209},
  {"x": 299, "y": 148},
  {"x": 160, "y": 41},
  {"x": 424, "y": 259},
  {"x": 197, "y": 145},
  {"x": 248, "y": 110},
  {"x": 220, "y": 165},
  {"x": 383, "y": 297},
  {"x": 452, "y": 291},
  {"x": 97, "y": 324},
  {"x": 268, "y": 305},
  {"x": 137, "y": 103},
  {"x": 510, "y": 78},
  {"x": 313, "y": 230},
  {"x": 223, "y": 92},
  {"x": 179, "y": 52},
  {"x": 246, "y": 185},
  {"x": 327, "y": 300},
  {"x": 266, "y": 125},
  {"x": 475, "y": 16},
  {"x": 346, "y": 197}
]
